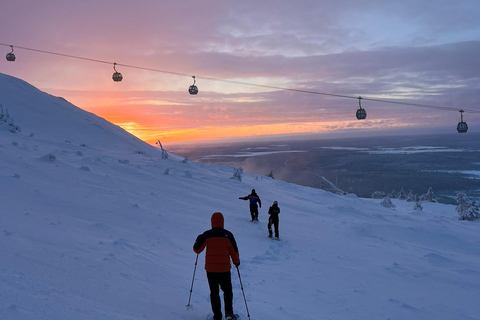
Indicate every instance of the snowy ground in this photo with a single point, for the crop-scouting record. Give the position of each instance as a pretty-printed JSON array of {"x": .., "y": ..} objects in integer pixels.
[{"x": 105, "y": 231}]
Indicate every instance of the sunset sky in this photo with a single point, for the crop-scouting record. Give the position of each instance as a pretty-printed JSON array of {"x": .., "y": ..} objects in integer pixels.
[{"x": 416, "y": 51}]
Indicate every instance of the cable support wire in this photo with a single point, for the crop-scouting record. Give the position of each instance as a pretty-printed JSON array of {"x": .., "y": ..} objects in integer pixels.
[{"x": 245, "y": 83}]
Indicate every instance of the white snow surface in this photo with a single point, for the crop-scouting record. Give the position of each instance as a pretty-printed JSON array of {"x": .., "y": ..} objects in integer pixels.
[{"x": 103, "y": 232}]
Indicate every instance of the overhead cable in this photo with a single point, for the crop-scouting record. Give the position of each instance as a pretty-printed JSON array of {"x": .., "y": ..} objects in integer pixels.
[{"x": 208, "y": 78}]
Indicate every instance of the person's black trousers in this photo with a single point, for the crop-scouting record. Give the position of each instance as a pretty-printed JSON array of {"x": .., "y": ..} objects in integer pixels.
[
  {"x": 254, "y": 211},
  {"x": 274, "y": 221},
  {"x": 221, "y": 280}
]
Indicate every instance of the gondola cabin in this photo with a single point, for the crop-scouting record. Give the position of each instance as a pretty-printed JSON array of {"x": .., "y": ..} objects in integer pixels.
[
  {"x": 117, "y": 76},
  {"x": 462, "y": 126},
  {"x": 361, "y": 114},
  {"x": 10, "y": 56},
  {"x": 193, "y": 88}
]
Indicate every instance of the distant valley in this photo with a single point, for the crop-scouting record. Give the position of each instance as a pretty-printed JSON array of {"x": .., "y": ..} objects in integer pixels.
[{"x": 448, "y": 163}]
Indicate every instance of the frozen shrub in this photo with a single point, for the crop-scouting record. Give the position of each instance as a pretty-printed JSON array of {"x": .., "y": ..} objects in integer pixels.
[
  {"x": 164, "y": 152},
  {"x": 418, "y": 206},
  {"x": 238, "y": 174},
  {"x": 378, "y": 195},
  {"x": 5, "y": 118},
  {"x": 270, "y": 175},
  {"x": 387, "y": 203},
  {"x": 411, "y": 196},
  {"x": 467, "y": 210},
  {"x": 429, "y": 196},
  {"x": 463, "y": 205}
]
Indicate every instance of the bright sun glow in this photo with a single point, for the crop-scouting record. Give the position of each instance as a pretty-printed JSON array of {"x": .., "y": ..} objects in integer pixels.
[{"x": 152, "y": 134}]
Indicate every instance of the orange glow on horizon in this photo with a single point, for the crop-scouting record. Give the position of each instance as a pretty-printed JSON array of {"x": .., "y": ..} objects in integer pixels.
[
  {"x": 163, "y": 122},
  {"x": 151, "y": 135}
]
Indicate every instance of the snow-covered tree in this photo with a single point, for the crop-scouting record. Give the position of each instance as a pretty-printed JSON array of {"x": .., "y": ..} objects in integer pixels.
[
  {"x": 393, "y": 194},
  {"x": 429, "y": 196},
  {"x": 270, "y": 175},
  {"x": 401, "y": 194},
  {"x": 467, "y": 210},
  {"x": 387, "y": 203},
  {"x": 6, "y": 119},
  {"x": 164, "y": 152},
  {"x": 238, "y": 174},
  {"x": 473, "y": 211},
  {"x": 418, "y": 206},
  {"x": 411, "y": 196},
  {"x": 378, "y": 195},
  {"x": 462, "y": 205}
]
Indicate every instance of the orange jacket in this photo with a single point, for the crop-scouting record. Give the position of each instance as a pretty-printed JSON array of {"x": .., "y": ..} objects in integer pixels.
[{"x": 220, "y": 244}]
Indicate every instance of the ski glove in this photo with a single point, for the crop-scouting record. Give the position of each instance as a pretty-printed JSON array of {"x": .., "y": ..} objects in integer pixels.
[{"x": 237, "y": 264}]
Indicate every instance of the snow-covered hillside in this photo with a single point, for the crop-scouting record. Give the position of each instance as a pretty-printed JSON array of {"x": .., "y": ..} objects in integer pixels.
[{"x": 95, "y": 225}]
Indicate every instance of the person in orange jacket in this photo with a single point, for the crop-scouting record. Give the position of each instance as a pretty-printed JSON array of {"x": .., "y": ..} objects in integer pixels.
[{"x": 221, "y": 247}]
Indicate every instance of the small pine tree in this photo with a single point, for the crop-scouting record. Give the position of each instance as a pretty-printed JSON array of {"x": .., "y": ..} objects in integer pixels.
[
  {"x": 393, "y": 194},
  {"x": 467, "y": 210},
  {"x": 270, "y": 175},
  {"x": 387, "y": 203},
  {"x": 401, "y": 194},
  {"x": 411, "y": 196},
  {"x": 473, "y": 211},
  {"x": 462, "y": 205},
  {"x": 238, "y": 174},
  {"x": 429, "y": 196}
]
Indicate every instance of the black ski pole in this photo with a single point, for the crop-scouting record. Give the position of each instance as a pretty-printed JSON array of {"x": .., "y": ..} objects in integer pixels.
[
  {"x": 241, "y": 286},
  {"x": 193, "y": 279}
]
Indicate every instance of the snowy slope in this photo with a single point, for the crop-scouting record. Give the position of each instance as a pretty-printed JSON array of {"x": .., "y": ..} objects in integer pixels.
[{"x": 105, "y": 231}]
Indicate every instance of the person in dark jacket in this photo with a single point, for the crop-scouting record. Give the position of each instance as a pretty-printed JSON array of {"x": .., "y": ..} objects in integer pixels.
[
  {"x": 273, "y": 211},
  {"x": 253, "y": 199},
  {"x": 221, "y": 247}
]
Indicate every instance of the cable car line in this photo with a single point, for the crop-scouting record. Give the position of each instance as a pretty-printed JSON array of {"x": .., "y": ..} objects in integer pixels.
[{"x": 243, "y": 83}]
